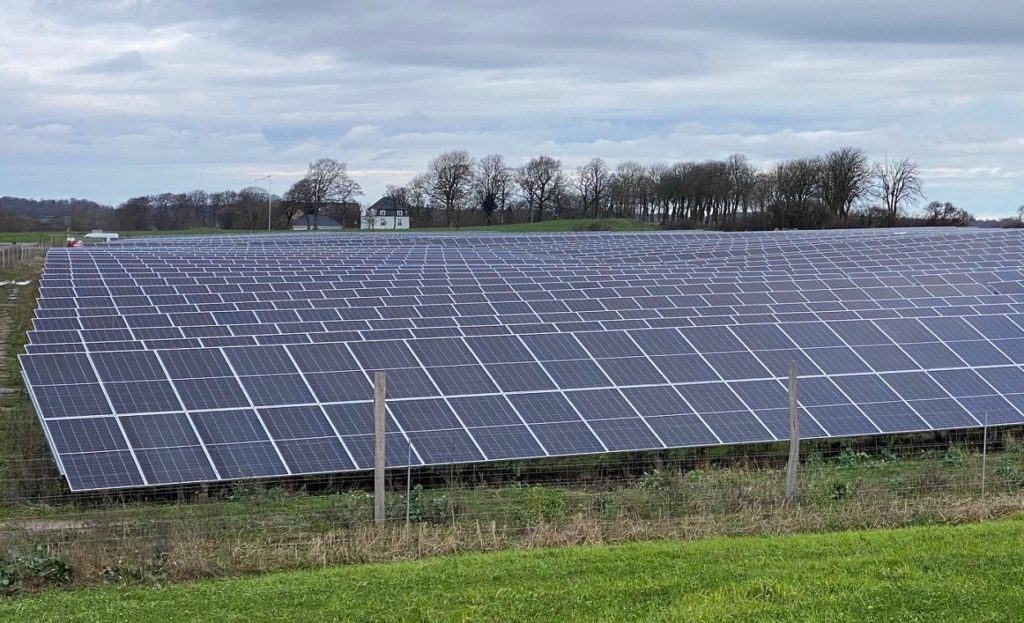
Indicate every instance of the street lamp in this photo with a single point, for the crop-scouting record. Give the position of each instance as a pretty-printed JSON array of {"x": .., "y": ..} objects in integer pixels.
[{"x": 270, "y": 195}]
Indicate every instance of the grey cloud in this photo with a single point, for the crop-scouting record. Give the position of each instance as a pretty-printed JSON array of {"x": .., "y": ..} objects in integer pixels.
[
  {"x": 216, "y": 92},
  {"x": 129, "y": 62},
  {"x": 445, "y": 30}
]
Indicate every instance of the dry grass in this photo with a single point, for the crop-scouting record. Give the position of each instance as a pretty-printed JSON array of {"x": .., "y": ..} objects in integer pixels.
[{"x": 130, "y": 552}]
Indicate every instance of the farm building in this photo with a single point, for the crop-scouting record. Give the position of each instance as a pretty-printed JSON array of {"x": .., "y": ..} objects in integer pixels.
[{"x": 383, "y": 214}]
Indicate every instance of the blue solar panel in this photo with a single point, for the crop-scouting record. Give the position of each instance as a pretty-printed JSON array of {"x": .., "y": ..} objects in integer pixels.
[
  {"x": 575, "y": 374},
  {"x": 162, "y": 430},
  {"x": 520, "y": 377},
  {"x": 501, "y": 347}
]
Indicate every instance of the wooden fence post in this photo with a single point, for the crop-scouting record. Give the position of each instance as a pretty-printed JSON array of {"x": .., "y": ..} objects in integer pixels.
[
  {"x": 379, "y": 392},
  {"x": 794, "y": 437}
]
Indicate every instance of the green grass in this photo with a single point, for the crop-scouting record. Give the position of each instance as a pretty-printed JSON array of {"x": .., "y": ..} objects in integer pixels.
[
  {"x": 560, "y": 225},
  {"x": 565, "y": 225},
  {"x": 37, "y": 237},
  {"x": 915, "y": 574},
  {"x": 58, "y": 237}
]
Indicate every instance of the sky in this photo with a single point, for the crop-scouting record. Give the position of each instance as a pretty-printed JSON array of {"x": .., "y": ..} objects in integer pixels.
[{"x": 107, "y": 100}]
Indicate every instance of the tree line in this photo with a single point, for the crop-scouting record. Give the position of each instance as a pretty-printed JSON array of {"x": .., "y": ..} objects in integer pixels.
[
  {"x": 327, "y": 188},
  {"x": 840, "y": 188}
]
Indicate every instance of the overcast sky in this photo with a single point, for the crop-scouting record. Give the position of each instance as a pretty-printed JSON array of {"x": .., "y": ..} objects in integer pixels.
[{"x": 108, "y": 100}]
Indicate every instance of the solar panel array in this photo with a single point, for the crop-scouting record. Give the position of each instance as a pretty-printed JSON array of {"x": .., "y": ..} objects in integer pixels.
[{"x": 179, "y": 360}]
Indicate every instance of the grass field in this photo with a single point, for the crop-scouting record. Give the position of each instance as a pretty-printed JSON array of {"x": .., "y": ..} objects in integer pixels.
[
  {"x": 564, "y": 225},
  {"x": 965, "y": 573},
  {"x": 58, "y": 237},
  {"x": 561, "y": 225}
]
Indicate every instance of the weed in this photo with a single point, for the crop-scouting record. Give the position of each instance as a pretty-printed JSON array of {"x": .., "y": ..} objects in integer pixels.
[
  {"x": 954, "y": 457},
  {"x": 255, "y": 494},
  {"x": 131, "y": 574},
  {"x": 841, "y": 489},
  {"x": 539, "y": 504},
  {"x": 888, "y": 456},
  {"x": 423, "y": 506},
  {"x": 922, "y": 518},
  {"x": 848, "y": 458},
  {"x": 655, "y": 479},
  {"x": 604, "y": 506},
  {"x": 1010, "y": 466},
  {"x": 35, "y": 570}
]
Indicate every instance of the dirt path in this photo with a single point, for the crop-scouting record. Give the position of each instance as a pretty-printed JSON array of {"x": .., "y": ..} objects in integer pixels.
[{"x": 41, "y": 525}]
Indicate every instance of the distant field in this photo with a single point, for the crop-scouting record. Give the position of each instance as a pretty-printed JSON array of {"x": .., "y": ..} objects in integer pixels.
[
  {"x": 562, "y": 225},
  {"x": 612, "y": 224},
  {"x": 965, "y": 573},
  {"x": 58, "y": 237}
]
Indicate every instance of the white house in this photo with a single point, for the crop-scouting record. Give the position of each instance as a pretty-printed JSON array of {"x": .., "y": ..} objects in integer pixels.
[{"x": 384, "y": 215}]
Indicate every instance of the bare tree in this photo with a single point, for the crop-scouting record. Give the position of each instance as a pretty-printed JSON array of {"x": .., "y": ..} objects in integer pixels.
[
  {"x": 898, "y": 186},
  {"x": 591, "y": 181},
  {"x": 845, "y": 180},
  {"x": 741, "y": 185},
  {"x": 946, "y": 214},
  {"x": 796, "y": 202},
  {"x": 252, "y": 207},
  {"x": 654, "y": 196},
  {"x": 763, "y": 195},
  {"x": 626, "y": 188},
  {"x": 417, "y": 195},
  {"x": 541, "y": 180},
  {"x": 298, "y": 200},
  {"x": 329, "y": 183},
  {"x": 451, "y": 179},
  {"x": 493, "y": 185},
  {"x": 136, "y": 213}
]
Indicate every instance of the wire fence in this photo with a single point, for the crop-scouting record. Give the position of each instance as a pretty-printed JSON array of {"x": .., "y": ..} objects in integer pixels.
[
  {"x": 12, "y": 255},
  {"x": 184, "y": 532}
]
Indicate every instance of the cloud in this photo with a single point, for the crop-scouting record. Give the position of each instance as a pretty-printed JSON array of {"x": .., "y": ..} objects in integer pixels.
[
  {"x": 130, "y": 97},
  {"x": 129, "y": 62}
]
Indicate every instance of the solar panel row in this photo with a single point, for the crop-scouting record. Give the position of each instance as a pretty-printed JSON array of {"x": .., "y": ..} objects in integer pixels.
[{"x": 207, "y": 359}]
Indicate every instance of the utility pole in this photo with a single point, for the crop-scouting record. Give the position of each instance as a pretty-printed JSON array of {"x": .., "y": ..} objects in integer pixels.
[{"x": 270, "y": 195}]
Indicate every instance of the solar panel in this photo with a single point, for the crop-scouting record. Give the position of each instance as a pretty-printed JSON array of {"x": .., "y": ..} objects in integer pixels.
[{"x": 175, "y": 360}]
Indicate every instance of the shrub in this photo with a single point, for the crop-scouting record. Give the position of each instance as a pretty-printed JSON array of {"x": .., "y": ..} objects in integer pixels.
[{"x": 35, "y": 570}]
